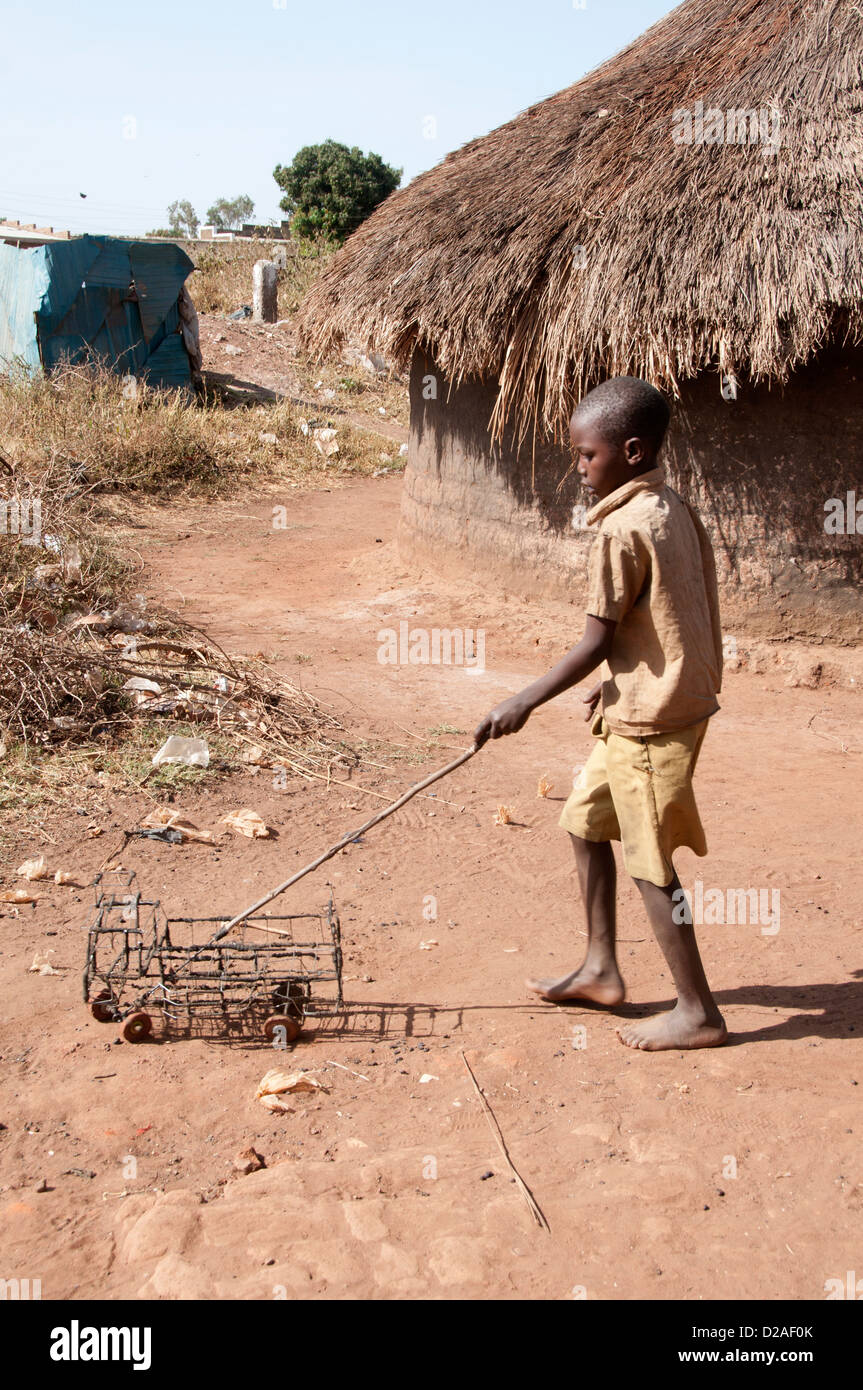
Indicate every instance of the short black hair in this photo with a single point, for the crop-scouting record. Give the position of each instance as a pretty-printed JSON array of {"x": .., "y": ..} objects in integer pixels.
[{"x": 625, "y": 407}]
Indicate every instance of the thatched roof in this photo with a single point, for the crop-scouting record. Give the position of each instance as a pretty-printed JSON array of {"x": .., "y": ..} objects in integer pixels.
[{"x": 723, "y": 255}]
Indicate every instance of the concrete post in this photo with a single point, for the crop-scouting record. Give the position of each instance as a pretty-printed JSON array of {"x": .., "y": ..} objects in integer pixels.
[{"x": 265, "y": 279}]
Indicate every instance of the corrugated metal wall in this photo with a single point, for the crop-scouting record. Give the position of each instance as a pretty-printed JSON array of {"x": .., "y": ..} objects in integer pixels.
[{"x": 105, "y": 296}]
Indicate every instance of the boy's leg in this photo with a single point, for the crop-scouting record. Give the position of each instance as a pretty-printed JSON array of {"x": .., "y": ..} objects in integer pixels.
[
  {"x": 695, "y": 1020},
  {"x": 598, "y": 978}
]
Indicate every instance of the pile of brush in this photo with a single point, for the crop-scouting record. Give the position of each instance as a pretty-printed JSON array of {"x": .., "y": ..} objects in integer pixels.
[{"x": 81, "y": 655}]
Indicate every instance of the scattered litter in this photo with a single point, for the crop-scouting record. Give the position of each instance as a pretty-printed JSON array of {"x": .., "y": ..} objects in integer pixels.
[
  {"x": 255, "y": 754},
  {"x": 165, "y": 833},
  {"x": 244, "y": 312},
  {"x": 428, "y": 1077},
  {"x": 41, "y": 964},
  {"x": 325, "y": 442},
  {"x": 172, "y": 820},
  {"x": 143, "y": 686},
  {"x": 72, "y": 565},
  {"x": 511, "y": 950},
  {"x": 329, "y": 394},
  {"x": 429, "y": 945},
  {"x": 66, "y": 878},
  {"x": 119, "y": 621},
  {"x": 33, "y": 869},
  {"x": 543, "y": 786},
  {"x": 267, "y": 437},
  {"x": 504, "y": 815},
  {"x": 304, "y": 425},
  {"x": 43, "y": 574},
  {"x": 232, "y": 351},
  {"x": 370, "y": 361},
  {"x": 276, "y": 1105},
  {"x": 17, "y": 895},
  {"x": 249, "y": 1161},
  {"x": 403, "y": 451},
  {"x": 248, "y": 823},
  {"x": 79, "y": 1173},
  {"x": 276, "y": 1083},
  {"x": 190, "y": 752},
  {"x": 93, "y": 831}
]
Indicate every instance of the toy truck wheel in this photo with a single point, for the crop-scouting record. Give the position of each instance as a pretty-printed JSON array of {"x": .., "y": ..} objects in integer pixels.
[
  {"x": 293, "y": 995},
  {"x": 282, "y": 1027},
  {"x": 104, "y": 1007},
  {"x": 137, "y": 1027}
]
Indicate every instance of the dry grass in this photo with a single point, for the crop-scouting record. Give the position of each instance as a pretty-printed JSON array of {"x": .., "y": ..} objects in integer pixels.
[
  {"x": 222, "y": 280},
  {"x": 76, "y": 434},
  {"x": 355, "y": 388}
]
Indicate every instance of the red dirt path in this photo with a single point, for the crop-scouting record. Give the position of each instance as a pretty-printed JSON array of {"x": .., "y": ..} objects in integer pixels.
[{"x": 632, "y": 1157}]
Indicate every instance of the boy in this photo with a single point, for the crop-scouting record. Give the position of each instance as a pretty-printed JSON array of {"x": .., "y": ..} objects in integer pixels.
[{"x": 653, "y": 618}]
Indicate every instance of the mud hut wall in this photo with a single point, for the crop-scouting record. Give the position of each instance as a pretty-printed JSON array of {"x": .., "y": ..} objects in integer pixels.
[
  {"x": 760, "y": 469},
  {"x": 467, "y": 505}
]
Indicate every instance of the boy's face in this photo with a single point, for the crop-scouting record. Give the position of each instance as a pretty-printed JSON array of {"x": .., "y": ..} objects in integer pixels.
[{"x": 604, "y": 465}]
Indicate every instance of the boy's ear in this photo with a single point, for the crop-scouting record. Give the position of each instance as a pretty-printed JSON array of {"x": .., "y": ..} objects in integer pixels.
[{"x": 635, "y": 450}]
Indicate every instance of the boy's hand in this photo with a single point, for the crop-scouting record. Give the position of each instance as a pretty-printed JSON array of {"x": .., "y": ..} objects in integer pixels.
[
  {"x": 506, "y": 718},
  {"x": 591, "y": 699},
  {"x": 513, "y": 714}
]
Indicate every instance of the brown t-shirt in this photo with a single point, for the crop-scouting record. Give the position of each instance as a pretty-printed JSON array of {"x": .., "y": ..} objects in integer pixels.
[{"x": 652, "y": 570}]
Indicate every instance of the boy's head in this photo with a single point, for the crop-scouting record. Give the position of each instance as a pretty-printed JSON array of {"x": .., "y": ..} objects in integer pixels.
[{"x": 617, "y": 431}]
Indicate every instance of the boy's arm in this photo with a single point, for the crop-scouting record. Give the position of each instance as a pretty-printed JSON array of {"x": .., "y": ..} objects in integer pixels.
[{"x": 513, "y": 714}]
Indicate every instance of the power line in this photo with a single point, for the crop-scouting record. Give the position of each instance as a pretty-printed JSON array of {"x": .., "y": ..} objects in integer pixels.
[{"x": 82, "y": 204}]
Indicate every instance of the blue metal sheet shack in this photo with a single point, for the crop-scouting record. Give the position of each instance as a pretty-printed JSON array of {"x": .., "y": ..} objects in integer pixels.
[{"x": 95, "y": 295}]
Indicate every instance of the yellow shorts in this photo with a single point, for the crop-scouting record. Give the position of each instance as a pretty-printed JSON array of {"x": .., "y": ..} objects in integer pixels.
[{"x": 639, "y": 791}]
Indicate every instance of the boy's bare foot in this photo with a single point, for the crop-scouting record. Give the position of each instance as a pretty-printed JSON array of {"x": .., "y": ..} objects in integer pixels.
[
  {"x": 678, "y": 1029},
  {"x": 599, "y": 986}
]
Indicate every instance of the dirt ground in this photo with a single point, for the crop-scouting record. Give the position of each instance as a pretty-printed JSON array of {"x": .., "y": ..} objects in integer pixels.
[{"x": 728, "y": 1174}]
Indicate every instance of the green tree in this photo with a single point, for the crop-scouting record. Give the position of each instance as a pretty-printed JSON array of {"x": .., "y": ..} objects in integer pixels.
[
  {"x": 182, "y": 218},
  {"x": 227, "y": 214},
  {"x": 330, "y": 189}
]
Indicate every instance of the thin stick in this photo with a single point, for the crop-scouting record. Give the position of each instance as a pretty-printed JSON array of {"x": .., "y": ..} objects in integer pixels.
[
  {"x": 535, "y": 1209},
  {"x": 345, "y": 840},
  {"x": 274, "y": 931},
  {"x": 322, "y": 858},
  {"x": 347, "y": 1069}
]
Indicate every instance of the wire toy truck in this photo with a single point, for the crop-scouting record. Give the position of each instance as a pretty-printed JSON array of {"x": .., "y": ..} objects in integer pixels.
[{"x": 269, "y": 973}]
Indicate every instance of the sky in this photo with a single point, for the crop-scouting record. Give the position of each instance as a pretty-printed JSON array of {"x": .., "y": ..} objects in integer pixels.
[{"x": 137, "y": 105}]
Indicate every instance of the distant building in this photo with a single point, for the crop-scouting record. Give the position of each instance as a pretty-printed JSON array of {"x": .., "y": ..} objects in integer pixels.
[
  {"x": 209, "y": 233},
  {"x": 28, "y": 234},
  {"x": 263, "y": 233},
  {"x": 250, "y": 231}
]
